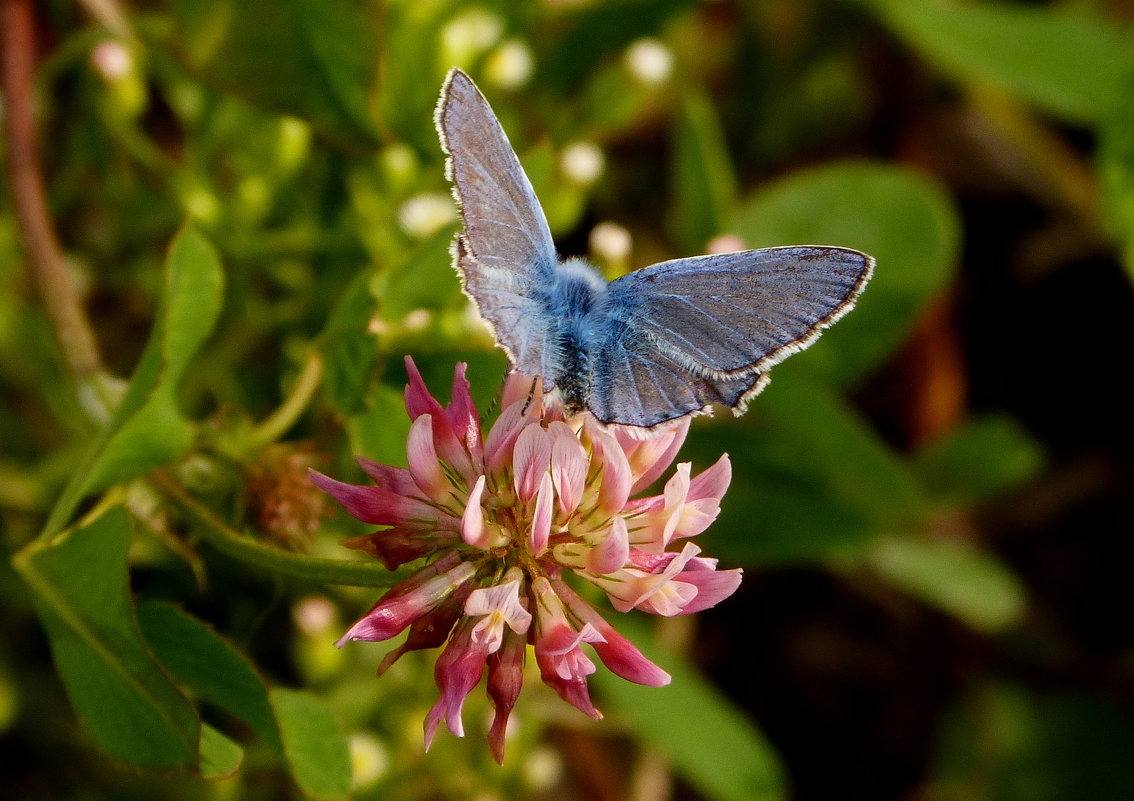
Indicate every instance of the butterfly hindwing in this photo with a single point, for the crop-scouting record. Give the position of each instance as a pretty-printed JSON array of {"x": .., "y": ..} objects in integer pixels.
[{"x": 634, "y": 384}]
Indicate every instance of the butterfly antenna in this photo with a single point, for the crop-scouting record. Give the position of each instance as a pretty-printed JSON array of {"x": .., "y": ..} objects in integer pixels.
[{"x": 531, "y": 397}]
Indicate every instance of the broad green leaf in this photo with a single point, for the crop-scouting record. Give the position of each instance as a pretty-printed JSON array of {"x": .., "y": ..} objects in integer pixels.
[
  {"x": 220, "y": 756},
  {"x": 426, "y": 280},
  {"x": 704, "y": 185},
  {"x": 79, "y": 585},
  {"x": 813, "y": 480},
  {"x": 380, "y": 432},
  {"x": 861, "y": 470},
  {"x": 147, "y": 429},
  {"x": 209, "y": 667},
  {"x": 314, "y": 59},
  {"x": 901, "y": 218},
  {"x": 963, "y": 581},
  {"x": 709, "y": 742},
  {"x": 313, "y": 743},
  {"x": 1063, "y": 61},
  {"x": 981, "y": 457},
  {"x": 348, "y": 347}
]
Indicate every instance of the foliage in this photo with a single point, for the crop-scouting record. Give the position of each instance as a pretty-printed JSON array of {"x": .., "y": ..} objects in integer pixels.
[{"x": 281, "y": 155}]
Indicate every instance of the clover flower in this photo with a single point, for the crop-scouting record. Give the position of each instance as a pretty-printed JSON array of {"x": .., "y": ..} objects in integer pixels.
[{"x": 500, "y": 520}]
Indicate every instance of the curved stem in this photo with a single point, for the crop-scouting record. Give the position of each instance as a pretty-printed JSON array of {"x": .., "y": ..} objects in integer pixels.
[
  {"x": 45, "y": 258},
  {"x": 244, "y": 549},
  {"x": 283, "y": 418}
]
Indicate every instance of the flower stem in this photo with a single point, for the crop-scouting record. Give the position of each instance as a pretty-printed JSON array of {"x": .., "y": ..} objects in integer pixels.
[
  {"x": 246, "y": 550},
  {"x": 45, "y": 257},
  {"x": 278, "y": 422}
]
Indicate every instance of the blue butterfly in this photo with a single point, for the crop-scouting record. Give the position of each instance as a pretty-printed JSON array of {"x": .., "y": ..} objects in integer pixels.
[{"x": 657, "y": 344}]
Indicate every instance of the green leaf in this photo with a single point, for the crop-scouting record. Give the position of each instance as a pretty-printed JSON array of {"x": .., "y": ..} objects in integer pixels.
[
  {"x": 348, "y": 347},
  {"x": 203, "y": 662},
  {"x": 147, "y": 429},
  {"x": 380, "y": 432},
  {"x": 709, "y": 742},
  {"x": 972, "y": 585},
  {"x": 563, "y": 202},
  {"x": 1005, "y": 742},
  {"x": 408, "y": 94},
  {"x": 901, "y": 218},
  {"x": 131, "y": 709},
  {"x": 426, "y": 280},
  {"x": 858, "y": 468},
  {"x": 1065, "y": 62},
  {"x": 978, "y": 459},
  {"x": 813, "y": 480},
  {"x": 1116, "y": 173},
  {"x": 315, "y": 59},
  {"x": 313, "y": 743},
  {"x": 704, "y": 184},
  {"x": 220, "y": 756},
  {"x": 599, "y": 29}
]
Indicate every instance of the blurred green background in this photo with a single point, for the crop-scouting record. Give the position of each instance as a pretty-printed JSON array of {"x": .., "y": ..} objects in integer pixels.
[{"x": 933, "y": 505}]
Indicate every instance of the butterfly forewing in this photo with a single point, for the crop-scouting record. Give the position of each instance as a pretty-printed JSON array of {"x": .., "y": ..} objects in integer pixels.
[
  {"x": 505, "y": 255},
  {"x": 737, "y": 313}
]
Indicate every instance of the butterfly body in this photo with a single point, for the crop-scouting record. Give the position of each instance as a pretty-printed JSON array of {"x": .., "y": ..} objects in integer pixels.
[
  {"x": 657, "y": 344},
  {"x": 576, "y": 305}
]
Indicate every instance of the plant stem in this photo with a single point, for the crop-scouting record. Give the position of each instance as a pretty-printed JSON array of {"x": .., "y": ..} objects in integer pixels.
[
  {"x": 283, "y": 418},
  {"x": 45, "y": 258},
  {"x": 244, "y": 549}
]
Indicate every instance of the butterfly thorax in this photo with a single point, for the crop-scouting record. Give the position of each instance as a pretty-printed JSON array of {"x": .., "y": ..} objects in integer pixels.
[{"x": 576, "y": 301}]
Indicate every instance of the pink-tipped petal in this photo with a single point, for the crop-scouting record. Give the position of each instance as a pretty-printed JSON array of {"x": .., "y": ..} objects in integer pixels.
[
  {"x": 473, "y": 529},
  {"x": 612, "y": 551},
  {"x": 713, "y": 586},
  {"x": 541, "y": 517},
  {"x": 568, "y": 466},
  {"x": 398, "y": 546},
  {"x": 418, "y": 399},
  {"x": 407, "y": 602},
  {"x": 712, "y": 483},
  {"x": 501, "y": 439},
  {"x": 660, "y": 593},
  {"x": 373, "y": 504},
  {"x": 497, "y": 606},
  {"x": 423, "y": 464},
  {"x": 451, "y": 448},
  {"x": 505, "y": 678},
  {"x": 428, "y": 631},
  {"x": 572, "y": 690},
  {"x": 614, "y": 488},
  {"x": 616, "y": 652},
  {"x": 530, "y": 460},
  {"x": 458, "y": 671},
  {"x": 395, "y": 479},
  {"x": 649, "y": 457},
  {"x": 462, "y": 414},
  {"x": 525, "y": 390}
]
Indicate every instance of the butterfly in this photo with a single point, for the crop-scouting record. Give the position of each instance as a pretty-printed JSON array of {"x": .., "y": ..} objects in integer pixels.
[{"x": 657, "y": 344}]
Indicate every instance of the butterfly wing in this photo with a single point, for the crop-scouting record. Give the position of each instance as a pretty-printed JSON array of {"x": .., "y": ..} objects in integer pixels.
[
  {"x": 505, "y": 256},
  {"x": 635, "y": 384},
  {"x": 689, "y": 332}
]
